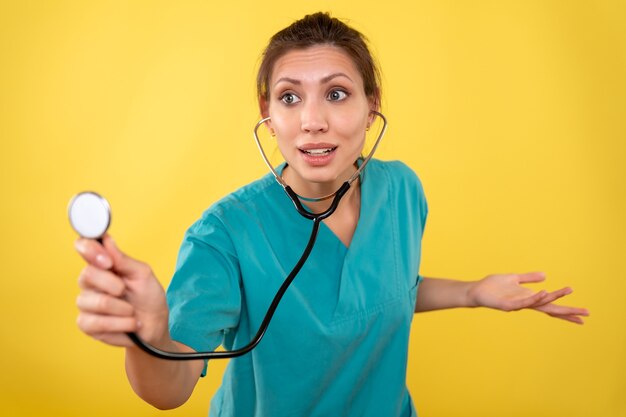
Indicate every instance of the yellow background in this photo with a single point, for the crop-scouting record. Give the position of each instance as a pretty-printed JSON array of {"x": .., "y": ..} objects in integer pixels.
[{"x": 512, "y": 113}]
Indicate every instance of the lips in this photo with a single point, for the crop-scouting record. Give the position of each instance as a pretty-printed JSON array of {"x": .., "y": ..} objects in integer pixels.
[
  {"x": 317, "y": 149},
  {"x": 317, "y": 154}
]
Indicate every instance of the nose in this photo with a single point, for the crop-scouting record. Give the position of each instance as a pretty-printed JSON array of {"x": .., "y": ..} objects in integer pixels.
[{"x": 313, "y": 118}]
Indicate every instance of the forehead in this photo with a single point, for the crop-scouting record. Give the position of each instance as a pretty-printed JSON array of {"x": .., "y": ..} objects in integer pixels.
[{"x": 315, "y": 63}]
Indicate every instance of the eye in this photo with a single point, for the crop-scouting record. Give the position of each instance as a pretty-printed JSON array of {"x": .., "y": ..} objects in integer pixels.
[
  {"x": 289, "y": 98},
  {"x": 337, "y": 95}
]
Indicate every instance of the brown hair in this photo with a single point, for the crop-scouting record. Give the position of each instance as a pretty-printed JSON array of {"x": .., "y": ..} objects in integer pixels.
[{"x": 320, "y": 29}]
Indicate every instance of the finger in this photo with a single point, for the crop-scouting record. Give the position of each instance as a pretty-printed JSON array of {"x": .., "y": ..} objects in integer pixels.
[
  {"x": 525, "y": 302},
  {"x": 531, "y": 277},
  {"x": 115, "y": 339},
  {"x": 93, "y": 278},
  {"x": 93, "y": 324},
  {"x": 555, "y": 295},
  {"x": 122, "y": 263},
  {"x": 93, "y": 253},
  {"x": 100, "y": 303},
  {"x": 567, "y": 317},
  {"x": 562, "y": 310}
]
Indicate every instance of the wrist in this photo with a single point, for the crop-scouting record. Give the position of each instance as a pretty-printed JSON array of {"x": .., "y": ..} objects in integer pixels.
[
  {"x": 471, "y": 299},
  {"x": 155, "y": 332},
  {"x": 161, "y": 339},
  {"x": 165, "y": 344}
]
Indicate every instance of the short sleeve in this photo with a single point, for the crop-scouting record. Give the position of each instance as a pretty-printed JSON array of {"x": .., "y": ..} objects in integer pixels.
[
  {"x": 204, "y": 296},
  {"x": 413, "y": 209},
  {"x": 422, "y": 203},
  {"x": 423, "y": 212},
  {"x": 422, "y": 206},
  {"x": 411, "y": 186}
]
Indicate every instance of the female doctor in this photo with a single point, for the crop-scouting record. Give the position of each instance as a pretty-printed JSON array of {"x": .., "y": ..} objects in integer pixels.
[{"x": 338, "y": 343}]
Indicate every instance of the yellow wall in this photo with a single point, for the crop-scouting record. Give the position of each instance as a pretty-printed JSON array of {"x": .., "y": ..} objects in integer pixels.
[{"x": 512, "y": 112}]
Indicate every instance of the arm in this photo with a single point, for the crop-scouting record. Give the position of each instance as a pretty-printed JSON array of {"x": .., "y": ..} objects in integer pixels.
[
  {"x": 120, "y": 295},
  {"x": 441, "y": 293},
  {"x": 500, "y": 292},
  {"x": 165, "y": 384}
]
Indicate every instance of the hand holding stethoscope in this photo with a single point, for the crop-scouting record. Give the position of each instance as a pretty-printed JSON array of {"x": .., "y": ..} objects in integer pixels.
[{"x": 119, "y": 295}]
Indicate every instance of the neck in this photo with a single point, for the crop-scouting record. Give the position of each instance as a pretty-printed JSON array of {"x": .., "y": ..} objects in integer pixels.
[
  {"x": 313, "y": 192},
  {"x": 350, "y": 198}
]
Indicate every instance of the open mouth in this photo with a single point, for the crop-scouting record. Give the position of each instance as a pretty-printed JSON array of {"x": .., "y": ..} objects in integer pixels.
[{"x": 317, "y": 152}]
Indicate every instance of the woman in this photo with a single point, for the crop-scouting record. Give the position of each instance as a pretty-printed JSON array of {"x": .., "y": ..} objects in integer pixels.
[{"x": 338, "y": 343}]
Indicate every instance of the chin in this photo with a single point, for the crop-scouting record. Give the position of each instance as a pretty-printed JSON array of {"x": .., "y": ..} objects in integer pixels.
[
  {"x": 319, "y": 177},
  {"x": 323, "y": 175}
]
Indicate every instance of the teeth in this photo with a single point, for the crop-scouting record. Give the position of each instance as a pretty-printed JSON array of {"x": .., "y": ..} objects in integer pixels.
[{"x": 318, "y": 151}]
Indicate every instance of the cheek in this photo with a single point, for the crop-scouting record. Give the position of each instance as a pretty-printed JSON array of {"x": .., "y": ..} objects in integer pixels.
[
  {"x": 285, "y": 133},
  {"x": 280, "y": 124},
  {"x": 352, "y": 128}
]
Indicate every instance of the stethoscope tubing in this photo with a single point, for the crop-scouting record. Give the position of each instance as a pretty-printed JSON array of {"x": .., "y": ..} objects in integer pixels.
[{"x": 315, "y": 217}]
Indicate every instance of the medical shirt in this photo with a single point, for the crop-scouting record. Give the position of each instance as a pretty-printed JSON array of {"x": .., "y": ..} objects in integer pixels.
[{"x": 338, "y": 342}]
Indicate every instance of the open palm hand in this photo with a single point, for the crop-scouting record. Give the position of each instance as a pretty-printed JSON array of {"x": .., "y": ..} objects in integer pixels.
[{"x": 505, "y": 292}]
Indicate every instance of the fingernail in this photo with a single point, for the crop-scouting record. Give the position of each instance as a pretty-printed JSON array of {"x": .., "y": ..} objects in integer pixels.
[
  {"x": 80, "y": 246},
  {"x": 103, "y": 261}
]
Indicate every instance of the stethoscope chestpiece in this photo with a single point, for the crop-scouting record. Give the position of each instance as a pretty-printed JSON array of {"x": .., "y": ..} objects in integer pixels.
[{"x": 89, "y": 214}]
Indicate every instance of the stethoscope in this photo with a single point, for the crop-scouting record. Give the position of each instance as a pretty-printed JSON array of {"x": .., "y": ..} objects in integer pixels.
[{"x": 90, "y": 216}]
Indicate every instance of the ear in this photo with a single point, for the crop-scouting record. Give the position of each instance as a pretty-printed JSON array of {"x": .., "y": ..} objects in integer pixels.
[
  {"x": 265, "y": 112},
  {"x": 264, "y": 107},
  {"x": 374, "y": 104}
]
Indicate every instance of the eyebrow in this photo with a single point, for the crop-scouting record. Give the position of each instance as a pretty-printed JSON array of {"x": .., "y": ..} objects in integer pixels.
[{"x": 324, "y": 80}]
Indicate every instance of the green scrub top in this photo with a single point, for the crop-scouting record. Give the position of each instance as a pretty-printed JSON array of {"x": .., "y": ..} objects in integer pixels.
[{"x": 338, "y": 342}]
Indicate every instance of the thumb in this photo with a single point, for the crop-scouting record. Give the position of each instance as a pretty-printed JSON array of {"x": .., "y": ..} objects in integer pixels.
[
  {"x": 122, "y": 263},
  {"x": 531, "y": 277}
]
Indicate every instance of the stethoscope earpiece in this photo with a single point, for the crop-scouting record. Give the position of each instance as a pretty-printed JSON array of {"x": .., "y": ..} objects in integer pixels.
[{"x": 354, "y": 176}]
